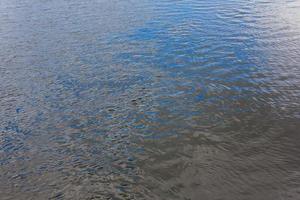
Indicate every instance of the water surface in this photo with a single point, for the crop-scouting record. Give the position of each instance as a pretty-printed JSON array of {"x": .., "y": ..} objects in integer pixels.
[{"x": 148, "y": 99}]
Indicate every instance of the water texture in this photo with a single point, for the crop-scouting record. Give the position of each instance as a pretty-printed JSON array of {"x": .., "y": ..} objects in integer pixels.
[{"x": 148, "y": 99}]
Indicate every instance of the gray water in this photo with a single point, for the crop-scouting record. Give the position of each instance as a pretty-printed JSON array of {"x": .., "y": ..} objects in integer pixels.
[{"x": 149, "y": 99}]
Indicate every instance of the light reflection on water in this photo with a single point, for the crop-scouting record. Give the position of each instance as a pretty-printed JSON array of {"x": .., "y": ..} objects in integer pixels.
[{"x": 149, "y": 99}]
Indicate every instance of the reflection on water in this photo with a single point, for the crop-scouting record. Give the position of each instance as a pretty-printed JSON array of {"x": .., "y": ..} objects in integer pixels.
[{"x": 149, "y": 99}]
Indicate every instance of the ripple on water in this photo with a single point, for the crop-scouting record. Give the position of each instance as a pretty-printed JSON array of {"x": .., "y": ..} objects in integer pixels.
[{"x": 149, "y": 99}]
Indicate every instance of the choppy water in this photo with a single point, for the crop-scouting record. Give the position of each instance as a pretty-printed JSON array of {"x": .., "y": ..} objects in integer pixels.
[{"x": 148, "y": 99}]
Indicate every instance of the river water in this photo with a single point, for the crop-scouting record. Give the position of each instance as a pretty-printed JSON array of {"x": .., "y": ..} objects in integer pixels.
[{"x": 149, "y": 99}]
